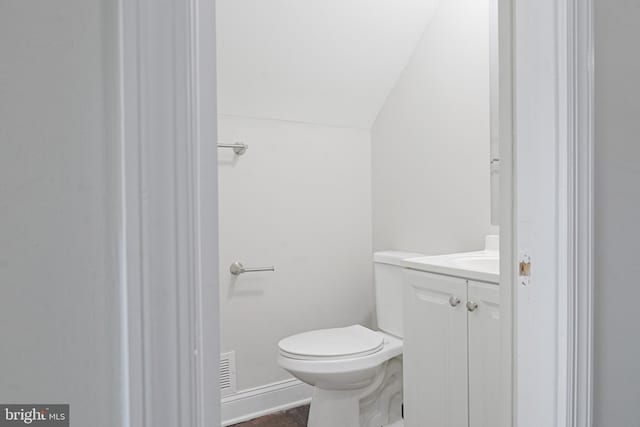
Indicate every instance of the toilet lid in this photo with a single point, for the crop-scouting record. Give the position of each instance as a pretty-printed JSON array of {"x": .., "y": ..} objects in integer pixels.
[{"x": 337, "y": 343}]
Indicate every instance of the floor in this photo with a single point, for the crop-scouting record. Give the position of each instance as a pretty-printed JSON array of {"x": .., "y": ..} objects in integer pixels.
[{"x": 296, "y": 417}]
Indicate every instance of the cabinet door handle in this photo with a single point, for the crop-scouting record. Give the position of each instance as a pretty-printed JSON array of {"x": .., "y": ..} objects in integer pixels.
[
  {"x": 472, "y": 306},
  {"x": 454, "y": 301}
]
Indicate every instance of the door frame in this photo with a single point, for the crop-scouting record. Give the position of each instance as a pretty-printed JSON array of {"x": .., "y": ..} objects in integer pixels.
[
  {"x": 548, "y": 182},
  {"x": 169, "y": 192},
  {"x": 580, "y": 212},
  {"x": 168, "y": 213}
]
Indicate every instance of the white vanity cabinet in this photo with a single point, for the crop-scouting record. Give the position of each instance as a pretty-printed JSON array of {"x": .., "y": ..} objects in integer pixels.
[
  {"x": 451, "y": 352},
  {"x": 483, "y": 325}
]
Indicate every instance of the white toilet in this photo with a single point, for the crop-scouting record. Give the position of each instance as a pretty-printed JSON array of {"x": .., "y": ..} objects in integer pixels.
[{"x": 356, "y": 372}]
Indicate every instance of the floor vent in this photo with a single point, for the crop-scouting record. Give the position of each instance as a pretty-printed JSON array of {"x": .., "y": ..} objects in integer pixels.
[{"x": 228, "y": 373}]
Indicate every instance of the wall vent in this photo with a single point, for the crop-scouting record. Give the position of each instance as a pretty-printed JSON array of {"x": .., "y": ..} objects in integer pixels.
[{"x": 227, "y": 373}]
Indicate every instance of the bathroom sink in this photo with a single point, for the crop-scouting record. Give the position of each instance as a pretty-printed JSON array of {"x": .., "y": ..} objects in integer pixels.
[
  {"x": 479, "y": 265},
  {"x": 487, "y": 264}
]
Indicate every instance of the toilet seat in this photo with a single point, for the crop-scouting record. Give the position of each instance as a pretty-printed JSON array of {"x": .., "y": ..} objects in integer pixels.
[
  {"x": 332, "y": 344},
  {"x": 391, "y": 347}
]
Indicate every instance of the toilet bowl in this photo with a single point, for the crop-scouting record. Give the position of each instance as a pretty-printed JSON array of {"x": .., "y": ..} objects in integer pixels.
[{"x": 356, "y": 372}]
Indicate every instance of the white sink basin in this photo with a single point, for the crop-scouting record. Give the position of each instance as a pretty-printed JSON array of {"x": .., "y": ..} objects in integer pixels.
[
  {"x": 486, "y": 264},
  {"x": 480, "y": 265}
]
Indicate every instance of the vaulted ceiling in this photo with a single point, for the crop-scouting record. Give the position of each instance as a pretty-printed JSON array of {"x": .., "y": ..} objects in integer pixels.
[{"x": 330, "y": 62}]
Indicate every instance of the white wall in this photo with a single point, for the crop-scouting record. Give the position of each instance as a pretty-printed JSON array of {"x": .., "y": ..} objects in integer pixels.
[
  {"x": 58, "y": 267},
  {"x": 617, "y": 210},
  {"x": 431, "y": 140},
  {"x": 330, "y": 61},
  {"x": 300, "y": 200}
]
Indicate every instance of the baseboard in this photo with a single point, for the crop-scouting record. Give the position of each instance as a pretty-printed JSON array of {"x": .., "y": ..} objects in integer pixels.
[{"x": 255, "y": 402}]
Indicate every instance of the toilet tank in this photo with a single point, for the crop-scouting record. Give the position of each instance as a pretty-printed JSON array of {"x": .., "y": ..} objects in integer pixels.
[{"x": 389, "y": 289}]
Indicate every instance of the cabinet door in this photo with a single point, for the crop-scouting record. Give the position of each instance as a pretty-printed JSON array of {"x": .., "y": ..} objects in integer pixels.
[
  {"x": 484, "y": 356},
  {"x": 435, "y": 351}
]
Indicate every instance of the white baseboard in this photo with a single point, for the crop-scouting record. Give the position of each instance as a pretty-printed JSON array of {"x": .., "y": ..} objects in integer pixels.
[{"x": 255, "y": 402}]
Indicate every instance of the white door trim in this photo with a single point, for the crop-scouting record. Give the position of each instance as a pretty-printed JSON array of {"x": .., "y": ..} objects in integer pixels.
[
  {"x": 169, "y": 212},
  {"x": 575, "y": 340},
  {"x": 580, "y": 213},
  {"x": 553, "y": 166}
]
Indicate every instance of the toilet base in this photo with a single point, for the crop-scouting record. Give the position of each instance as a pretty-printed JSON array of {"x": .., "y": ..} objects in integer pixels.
[
  {"x": 373, "y": 406},
  {"x": 334, "y": 408}
]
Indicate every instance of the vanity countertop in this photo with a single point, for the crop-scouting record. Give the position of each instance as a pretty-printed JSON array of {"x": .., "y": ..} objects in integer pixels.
[{"x": 480, "y": 265}]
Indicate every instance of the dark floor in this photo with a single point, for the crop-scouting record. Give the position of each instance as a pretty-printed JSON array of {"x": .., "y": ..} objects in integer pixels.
[{"x": 296, "y": 417}]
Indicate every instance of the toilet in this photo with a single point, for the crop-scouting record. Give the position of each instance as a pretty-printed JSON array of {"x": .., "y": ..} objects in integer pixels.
[{"x": 356, "y": 372}]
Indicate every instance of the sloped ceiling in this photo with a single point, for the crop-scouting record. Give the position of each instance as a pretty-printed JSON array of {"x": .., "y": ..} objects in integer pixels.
[{"x": 330, "y": 62}]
